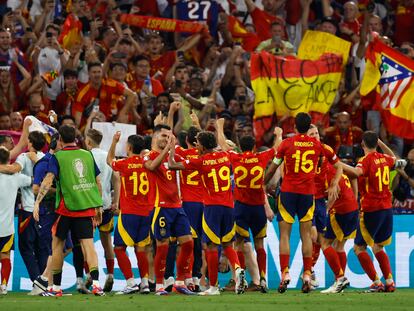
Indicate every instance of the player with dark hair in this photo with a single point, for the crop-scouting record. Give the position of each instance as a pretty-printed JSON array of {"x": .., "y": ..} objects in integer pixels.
[
  {"x": 250, "y": 208},
  {"x": 301, "y": 156},
  {"x": 218, "y": 217},
  {"x": 376, "y": 220},
  {"x": 136, "y": 203},
  {"x": 169, "y": 219}
]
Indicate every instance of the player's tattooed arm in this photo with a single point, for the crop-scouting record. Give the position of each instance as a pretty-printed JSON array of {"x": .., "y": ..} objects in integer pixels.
[
  {"x": 44, "y": 189},
  {"x": 111, "y": 153}
]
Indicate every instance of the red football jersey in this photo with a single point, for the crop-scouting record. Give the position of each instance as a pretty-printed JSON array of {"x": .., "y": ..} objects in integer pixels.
[
  {"x": 215, "y": 174},
  {"x": 346, "y": 202},
  {"x": 300, "y": 155},
  {"x": 248, "y": 169},
  {"x": 321, "y": 183},
  {"x": 167, "y": 195},
  {"x": 191, "y": 186},
  {"x": 376, "y": 177},
  {"x": 137, "y": 195}
]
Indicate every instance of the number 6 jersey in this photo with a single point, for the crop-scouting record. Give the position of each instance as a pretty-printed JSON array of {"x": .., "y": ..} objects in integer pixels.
[
  {"x": 300, "y": 155},
  {"x": 137, "y": 186}
]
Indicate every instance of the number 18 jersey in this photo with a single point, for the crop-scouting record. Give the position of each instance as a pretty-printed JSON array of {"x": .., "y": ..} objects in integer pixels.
[
  {"x": 137, "y": 186},
  {"x": 300, "y": 155}
]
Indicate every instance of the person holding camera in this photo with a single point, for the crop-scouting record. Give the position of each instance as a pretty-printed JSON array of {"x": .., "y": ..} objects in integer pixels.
[{"x": 276, "y": 44}]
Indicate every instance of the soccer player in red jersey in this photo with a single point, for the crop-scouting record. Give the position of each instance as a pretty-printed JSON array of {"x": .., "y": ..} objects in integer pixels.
[
  {"x": 375, "y": 227},
  {"x": 137, "y": 198},
  {"x": 192, "y": 190},
  {"x": 248, "y": 168},
  {"x": 322, "y": 188},
  {"x": 341, "y": 225},
  {"x": 169, "y": 219},
  {"x": 301, "y": 155},
  {"x": 218, "y": 217}
]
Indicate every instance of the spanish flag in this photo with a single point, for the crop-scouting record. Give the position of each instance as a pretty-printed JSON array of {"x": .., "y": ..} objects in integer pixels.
[
  {"x": 248, "y": 40},
  {"x": 71, "y": 33},
  {"x": 287, "y": 86},
  {"x": 391, "y": 75}
]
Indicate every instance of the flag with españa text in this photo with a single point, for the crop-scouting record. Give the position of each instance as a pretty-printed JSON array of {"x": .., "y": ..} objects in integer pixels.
[{"x": 391, "y": 75}]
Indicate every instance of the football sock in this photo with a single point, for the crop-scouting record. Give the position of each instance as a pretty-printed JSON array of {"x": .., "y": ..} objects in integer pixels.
[
  {"x": 160, "y": 262},
  {"x": 142, "y": 264},
  {"x": 242, "y": 261},
  {"x": 342, "y": 260},
  {"x": 94, "y": 271},
  {"x": 232, "y": 257},
  {"x": 212, "y": 266},
  {"x": 123, "y": 262},
  {"x": 110, "y": 265},
  {"x": 184, "y": 261},
  {"x": 384, "y": 264},
  {"x": 78, "y": 260},
  {"x": 315, "y": 253},
  {"x": 57, "y": 278},
  {"x": 367, "y": 265},
  {"x": 333, "y": 261},
  {"x": 5, "y": 270},
  {"x": 284, "y": 262},
  {"x": 261, "y": 261},
  {"x": 307, "y": 265}
]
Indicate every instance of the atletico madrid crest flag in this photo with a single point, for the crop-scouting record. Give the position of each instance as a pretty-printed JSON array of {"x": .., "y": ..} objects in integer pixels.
[{"x": 391, "y": 74}]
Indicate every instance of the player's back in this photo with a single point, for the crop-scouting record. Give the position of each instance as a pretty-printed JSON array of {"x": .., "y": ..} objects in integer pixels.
[
  {"x": 321, "y": 184},
  {"x": 346, "y": 202},
  {"x": 216, "y": 179},
  {"x": 137, "y": 186},
  {"x": 376, "y": 168},
  {"x": 248, "y": 169},
  {"x": 300, "y": 155},
  {"x": 191, "y": 186}
]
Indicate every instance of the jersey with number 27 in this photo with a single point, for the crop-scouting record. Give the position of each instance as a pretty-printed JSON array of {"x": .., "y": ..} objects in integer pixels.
[
  {"x": 204, "y": 11},
  {"x": 300, "y": 155},
  {"x": 375, "y": 194},
  {"x": 137, "y": 186}
]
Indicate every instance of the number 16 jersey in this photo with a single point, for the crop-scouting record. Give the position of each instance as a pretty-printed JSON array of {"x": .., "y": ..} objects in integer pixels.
[
  {"x": 300, "y": 155},
  {"x": 137, "y": 186}
]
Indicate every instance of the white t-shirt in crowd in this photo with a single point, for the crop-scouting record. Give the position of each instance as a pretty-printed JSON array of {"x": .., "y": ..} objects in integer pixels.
[
  {"x": 105, "y": 176},
  {"x": 9, "y": 185}
]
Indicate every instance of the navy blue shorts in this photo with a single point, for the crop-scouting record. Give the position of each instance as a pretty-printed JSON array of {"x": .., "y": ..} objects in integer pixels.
[
  {"x": 342, "y": 226},
  {"x": 319, "y": 217},
  {"x": 291, "y": 204},
  {"x": 194, "y": 211},
  {"x": 6, "y": 243},
  {"x": 107, "y": 224},
  {"x": 170, "y": 222},
  {"x": 218, "y": 224},
  {"x": 251, "y": 217},
  {"x": 375, "y": 228},
  {"x": 132, "y": 230}
]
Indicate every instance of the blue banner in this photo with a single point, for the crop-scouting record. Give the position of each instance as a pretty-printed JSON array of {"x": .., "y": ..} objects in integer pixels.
[{"x": 401, "y": 253}]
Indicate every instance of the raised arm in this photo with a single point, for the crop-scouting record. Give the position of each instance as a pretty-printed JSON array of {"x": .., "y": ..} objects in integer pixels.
[
  {"x": 22, "y": 141},
  {"x": 152, "y": 165},
  {"x": 172, "y": 164},
  {"x": 111, "y": 152},
  {"x": 387, "y": 150}
]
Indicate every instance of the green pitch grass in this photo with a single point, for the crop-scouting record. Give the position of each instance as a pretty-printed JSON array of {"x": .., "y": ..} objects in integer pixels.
[{"x": 402, "y": 299}]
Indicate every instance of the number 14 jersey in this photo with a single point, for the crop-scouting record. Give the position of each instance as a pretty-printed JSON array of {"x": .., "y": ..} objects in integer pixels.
[{"x": 300, "y": 155}]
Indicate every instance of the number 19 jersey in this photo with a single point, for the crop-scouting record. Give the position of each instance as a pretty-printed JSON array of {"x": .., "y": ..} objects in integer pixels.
[
  {"x": 300, "y": 155},
  {"x": 215, "y": 174},
  {"x": 137, "y": 186}
]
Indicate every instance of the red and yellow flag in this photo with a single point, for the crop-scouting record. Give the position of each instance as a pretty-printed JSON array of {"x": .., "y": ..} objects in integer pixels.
[
  {"x": 391, "y": 75},
  {"x": 286, "y": 86},
  {"x": 71, "y": 33},
  {"x": 248, "y": 40}
]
